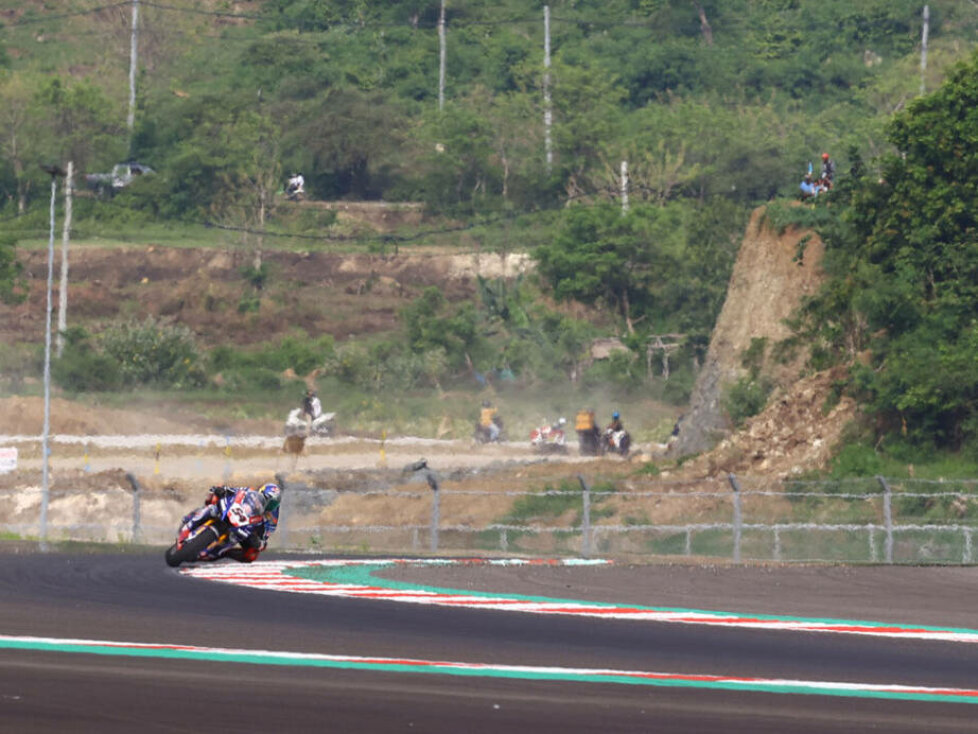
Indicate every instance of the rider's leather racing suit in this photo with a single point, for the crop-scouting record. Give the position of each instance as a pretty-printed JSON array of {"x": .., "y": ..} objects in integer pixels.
[{"x": 251, "y": 543}]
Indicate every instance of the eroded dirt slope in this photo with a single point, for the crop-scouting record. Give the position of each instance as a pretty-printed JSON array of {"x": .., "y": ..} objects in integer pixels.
[
  {"x": 773, "y": 273},
  {"x": 340, "y": 294}
]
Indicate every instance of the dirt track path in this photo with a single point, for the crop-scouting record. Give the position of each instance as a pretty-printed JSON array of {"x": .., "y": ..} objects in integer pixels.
[{"x": 190, "y": 458}]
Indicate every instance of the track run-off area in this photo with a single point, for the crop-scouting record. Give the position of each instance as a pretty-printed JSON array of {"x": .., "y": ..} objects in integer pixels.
[{"x": 397, "y": 645}]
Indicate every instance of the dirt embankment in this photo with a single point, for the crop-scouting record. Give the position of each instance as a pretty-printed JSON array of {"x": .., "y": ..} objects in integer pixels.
[
  {"x": 797, "y": 432},
  {"x": 774, "y": 272},
  {"x": 347, "y": 294},
  {"x": 204, "y": 289}
]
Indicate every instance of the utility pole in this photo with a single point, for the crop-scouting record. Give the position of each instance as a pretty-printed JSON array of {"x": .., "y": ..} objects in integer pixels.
[
  {"x": 547, "y": 111},
  {"x": 54, "y": 171},
  {"x": 133, "y": 58},
  {"x": 624, "y": 187},
  {"x": 441, "y": 57},
  {"x": 65, "y": 238},
  {"x": 923, "y": 49}
]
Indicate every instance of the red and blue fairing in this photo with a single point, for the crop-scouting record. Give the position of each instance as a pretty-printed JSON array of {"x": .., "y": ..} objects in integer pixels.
[{"x": 233, "y": 519}]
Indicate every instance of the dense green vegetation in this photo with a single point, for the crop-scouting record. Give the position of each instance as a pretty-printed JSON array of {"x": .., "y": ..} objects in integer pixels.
[
  {"x": 717, "y": 106},
  {"x": 901, "y": 306}
]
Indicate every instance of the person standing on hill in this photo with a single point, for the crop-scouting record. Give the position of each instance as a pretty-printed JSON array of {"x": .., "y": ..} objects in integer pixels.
[
  {"x": 808, "y": 188},
  {"x": 828, "y": 171}
]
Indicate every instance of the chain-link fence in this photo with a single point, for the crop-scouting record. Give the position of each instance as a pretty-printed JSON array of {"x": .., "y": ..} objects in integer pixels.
[{"x": 871, "y": 520}]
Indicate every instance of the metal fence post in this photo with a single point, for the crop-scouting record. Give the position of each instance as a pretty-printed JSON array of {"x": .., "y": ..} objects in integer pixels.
[
  {"x": 135, "y": 507},
  {"x": 283, "y": 524},
  {"x": 435, "y": 508},
  {"x": 887, "y": 516},
  {"x": 585, "y": 517},
  {"x": 419, "y": 466},
  {"x": 737, "y": 516}
]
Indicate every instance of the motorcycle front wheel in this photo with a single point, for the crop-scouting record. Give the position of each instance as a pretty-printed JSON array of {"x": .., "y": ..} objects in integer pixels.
[{"x": 191, "y": 550}]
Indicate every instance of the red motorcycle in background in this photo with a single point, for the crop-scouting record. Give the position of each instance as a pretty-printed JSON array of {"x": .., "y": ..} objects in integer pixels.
[{"x": 550, "y": 438}]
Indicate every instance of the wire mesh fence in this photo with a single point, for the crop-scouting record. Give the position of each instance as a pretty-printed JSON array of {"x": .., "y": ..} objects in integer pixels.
[{"x": 740, "y": 519}]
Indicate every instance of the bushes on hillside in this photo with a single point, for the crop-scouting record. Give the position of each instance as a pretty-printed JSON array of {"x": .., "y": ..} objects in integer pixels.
[{"x": 130, "y": 355}]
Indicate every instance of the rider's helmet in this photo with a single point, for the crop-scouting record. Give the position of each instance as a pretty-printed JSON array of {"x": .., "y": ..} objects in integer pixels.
[
  {"x": 825, "y": 156},
  {"x": 486, "y": 404},
  {"x": 272, "y": 495},
  {"x": 616, "y": 415}
]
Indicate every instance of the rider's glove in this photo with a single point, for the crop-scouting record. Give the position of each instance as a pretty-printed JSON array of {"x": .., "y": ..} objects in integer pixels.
[{"x": 215, "y": 493}]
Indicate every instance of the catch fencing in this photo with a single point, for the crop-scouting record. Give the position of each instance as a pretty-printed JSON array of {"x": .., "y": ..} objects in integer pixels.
[{"x": 739, "y": 519}]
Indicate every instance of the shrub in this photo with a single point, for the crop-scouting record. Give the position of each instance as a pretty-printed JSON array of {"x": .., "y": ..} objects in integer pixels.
[
  {"x": 746, "y": 397},
  {"x": 152, "y": 353},
  {"x": 81, "y": 368},
  {"x": 250, "y": 379},
  {"x": 622, "y": 369},
  {"x": 301, "y": 354}
]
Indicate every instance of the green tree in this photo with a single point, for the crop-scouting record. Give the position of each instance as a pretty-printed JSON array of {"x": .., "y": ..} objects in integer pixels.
[
  {"x": 432, "y": 324},
  {"x": 907, "y": 268},
  {"x": 19, "y": 120},
  {"x": 601, "y": 255},
  {"x": 79, "y": 123},
  {"x": 12, "y": 286},
  {"x": 347, "y": 142}
]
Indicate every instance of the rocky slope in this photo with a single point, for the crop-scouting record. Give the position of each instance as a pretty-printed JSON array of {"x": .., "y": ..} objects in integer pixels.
[{"x": 773, "y": 273}]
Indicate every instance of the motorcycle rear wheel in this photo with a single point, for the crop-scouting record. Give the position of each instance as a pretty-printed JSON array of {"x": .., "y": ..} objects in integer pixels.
[{"x": 192, "y": 549}]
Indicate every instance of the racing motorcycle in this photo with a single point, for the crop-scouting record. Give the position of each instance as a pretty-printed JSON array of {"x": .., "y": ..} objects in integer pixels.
[
  {"x": 296, "y": 424},
  {"x": 239, "y": 515},
  {"x": 617, "y": 442},
  {"x": 482, "y": 434},
  {"x": 550, "y": 438}
]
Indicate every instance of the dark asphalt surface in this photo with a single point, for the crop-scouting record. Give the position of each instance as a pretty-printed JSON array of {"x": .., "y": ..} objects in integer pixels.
[{"x": 135, "y": 597}]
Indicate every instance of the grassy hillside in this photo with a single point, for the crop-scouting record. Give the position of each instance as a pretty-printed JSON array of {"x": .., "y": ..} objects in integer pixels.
[{"x": 715, "y": 106}]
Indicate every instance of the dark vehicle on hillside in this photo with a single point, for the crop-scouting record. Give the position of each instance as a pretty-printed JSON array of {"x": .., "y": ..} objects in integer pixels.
[{"x": 123, "y": 174}]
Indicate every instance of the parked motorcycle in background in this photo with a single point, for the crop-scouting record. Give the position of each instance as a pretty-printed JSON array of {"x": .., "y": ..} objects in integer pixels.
[{"x": 550, "y": 438}]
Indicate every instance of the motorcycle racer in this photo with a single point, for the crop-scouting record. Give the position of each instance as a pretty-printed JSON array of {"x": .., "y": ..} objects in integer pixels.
[
  {"x": 616, "y": 435},
  {"x": 248, "y": 541}
]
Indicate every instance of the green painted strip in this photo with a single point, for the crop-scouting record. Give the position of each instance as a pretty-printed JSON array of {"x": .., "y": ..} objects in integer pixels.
[
  {"x": 258, "y": 658},
  {"x": 364, "y": 575}
]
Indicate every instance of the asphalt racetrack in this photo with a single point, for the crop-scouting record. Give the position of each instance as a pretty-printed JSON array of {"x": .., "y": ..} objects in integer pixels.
[{"x": 183, "y": 652}]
